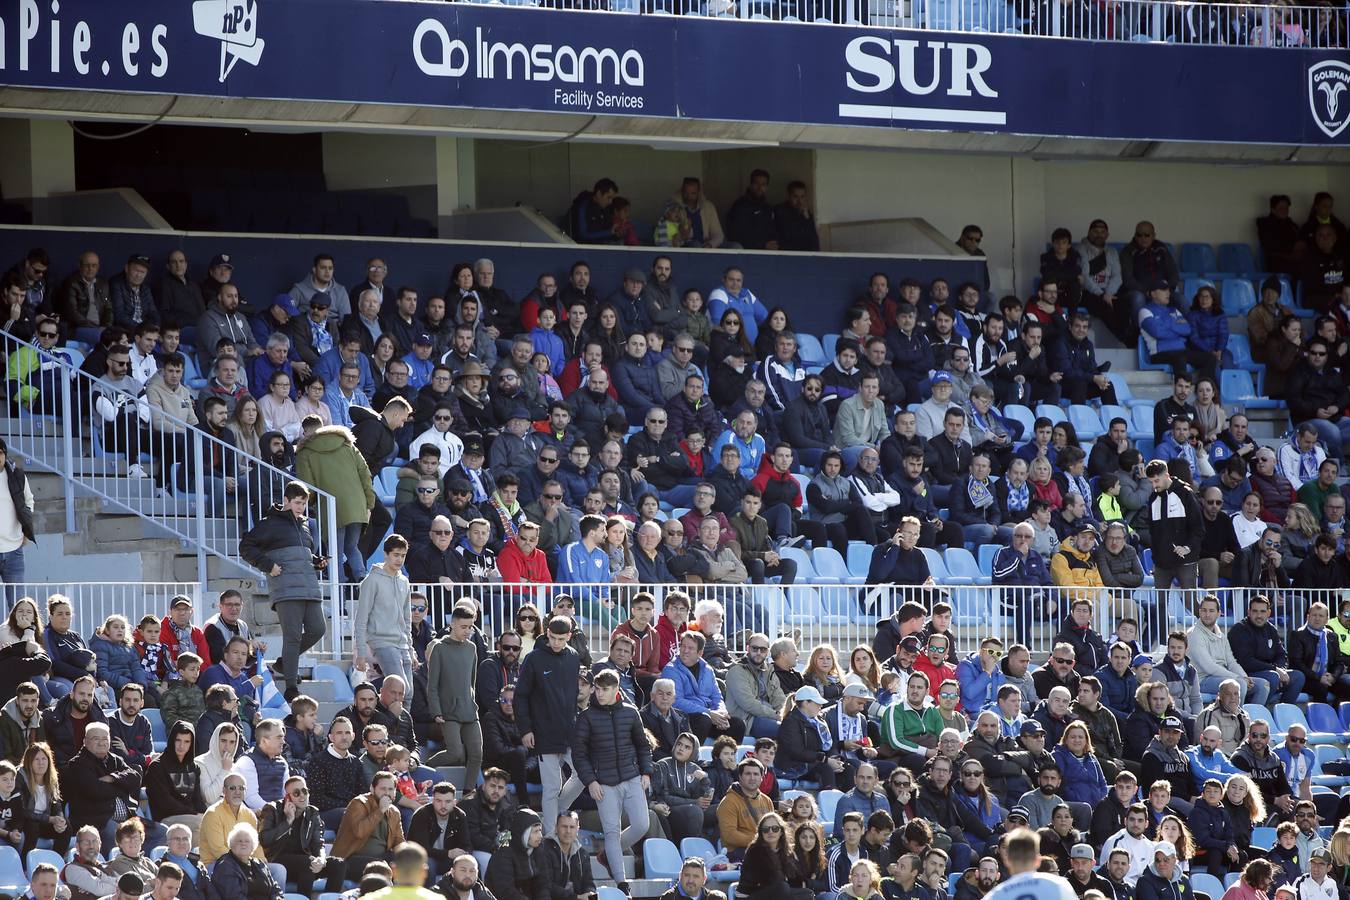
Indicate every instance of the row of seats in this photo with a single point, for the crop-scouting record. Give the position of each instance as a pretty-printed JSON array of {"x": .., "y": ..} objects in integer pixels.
[{"x": 1232, "y": 259}]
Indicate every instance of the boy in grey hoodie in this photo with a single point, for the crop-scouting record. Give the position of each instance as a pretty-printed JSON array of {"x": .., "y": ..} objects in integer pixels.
[{"x": 382, "y": 630}]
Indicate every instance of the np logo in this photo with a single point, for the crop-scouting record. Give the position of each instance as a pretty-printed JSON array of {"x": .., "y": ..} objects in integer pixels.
[
  {"x": 1328, "y": 96},
  {"x": 235, "y": 24}
]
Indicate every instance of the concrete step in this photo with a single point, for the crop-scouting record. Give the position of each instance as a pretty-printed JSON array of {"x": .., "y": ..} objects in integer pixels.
[
  {"x": 185, "y": 569},
  {"x": 108, "y": 528}
]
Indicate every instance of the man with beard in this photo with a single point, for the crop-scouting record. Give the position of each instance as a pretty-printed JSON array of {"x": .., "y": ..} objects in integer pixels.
[
  {"x": 1132, "y": 840},
  {"x": 291, "y": 834},
  {"x": 660, "y": 295},
  {"x": 462, "y": 882},
  {"x": 441, "y": 828},
  {"x": 1164, "y": 761},
  {"x": 978, "y": 880}
]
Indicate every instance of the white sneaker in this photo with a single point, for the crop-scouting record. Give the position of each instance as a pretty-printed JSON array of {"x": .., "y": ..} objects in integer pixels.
[{"x": 136, "y": 470}]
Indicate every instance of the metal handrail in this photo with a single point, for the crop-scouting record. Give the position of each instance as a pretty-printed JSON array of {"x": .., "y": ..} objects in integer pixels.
[
  {"x": 1170, "y": 21},
  {"x": 210, "y": 514}
]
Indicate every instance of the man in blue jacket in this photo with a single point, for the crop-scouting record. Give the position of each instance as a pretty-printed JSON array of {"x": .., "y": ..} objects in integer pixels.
[
  {"x": 696, "y": 691},
  {"x": 980, "y": 676},
  {"x": 1023, "y": 570},
  {"x": 546, "y": 704},
  {"x": 636, "y": 380},
  {"x": 1258, "y": 644},
  {"x": 1118, "y": 682}
]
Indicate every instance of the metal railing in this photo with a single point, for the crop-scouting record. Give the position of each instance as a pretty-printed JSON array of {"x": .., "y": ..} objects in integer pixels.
[
  {"x": 847, "y": 615},
  {"x": 1182, "y": 22},
  {"x": 92, "y": 602},
  {"x": 109, "y": 443}
]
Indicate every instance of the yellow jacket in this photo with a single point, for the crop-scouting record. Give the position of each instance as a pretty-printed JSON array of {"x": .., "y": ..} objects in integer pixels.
[
  {"x": 213, "y": 837},
  {"x": 1072, "y": 568}
]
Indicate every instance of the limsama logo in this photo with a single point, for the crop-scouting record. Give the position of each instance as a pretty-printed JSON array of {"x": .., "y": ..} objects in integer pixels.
[
  {"x": 1327, "y": 82},
  {"x": 235, "y": 25}
]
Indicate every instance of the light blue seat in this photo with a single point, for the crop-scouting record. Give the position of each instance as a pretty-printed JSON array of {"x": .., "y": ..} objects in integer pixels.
[
  {"x": 1086, "y": 422},
  {"x": 291, "y": 895},
  {"x": 1289, "y": 714},
  {"x": 937, "y": 567},
  {"x": 1143, "y": 421},
  {"x": 607, "y": 892},
  {"x": 828, "y": 800},
  {"x": 828, "y": 344},
  {"x": 342, "y": 687},
  {"x": 986, "y": 558},
  {"x": 802, "y": 481},
  {"x": 1023, "y": 414},
  {"x": 1328, "y": 753},
  {"x": 961, "y": 562},
  {"x": 1055, "y": 414},
  {"x": 1198, "y": 258},
  {"x": 13, "y": 879},
  {"x": 1239, "y": 297},
  {"x": 1235, "y": 386},
  {"x": 386, "y": 485},
  {"x": 1322, "y": 718},
  {"x": 44, "y": 856},
  {"x": 704, "y": 850},
  {"x": 661, "y": 859},
  {"x": 810, "y": 350},
  {"x": 158, "y": 853},
  {"x": 1143, "y": 361},
  {"x": 859, "y": 558},
  {"x": 1237, "y": 258},
  {"x": 1256, "y": 711},
  {"x": 1205, "y": 883},
  {"x": 159, "y": 737},
  {"x": 806, "y": 570},
  {"x": 829, "y": 564},
  {"x": 1263, "y": 838},
  {"x": 1124, "y": 394},
  {"x": 1239, "y": 345},
  {"x": 1110, "y": 412},
  {"x": 804, "y": 603},
  {"x": 1191, "y": 286}
]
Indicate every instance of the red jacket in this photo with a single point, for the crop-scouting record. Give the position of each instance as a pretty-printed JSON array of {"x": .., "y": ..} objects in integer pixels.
[
  {"x": 516, "y": 568},
  {"x": 647, "y": 655},
  {"x": 171, "y": 648},
  {"x": 668, "y": 639},
  {"x": 570, "y": 379},
  {"x": 936, "y": 675},
  {"x": 783, "y": 485}
]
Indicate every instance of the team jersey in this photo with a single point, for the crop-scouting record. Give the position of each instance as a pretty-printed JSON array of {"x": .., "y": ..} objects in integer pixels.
[{"x": 1033, "y": 886}]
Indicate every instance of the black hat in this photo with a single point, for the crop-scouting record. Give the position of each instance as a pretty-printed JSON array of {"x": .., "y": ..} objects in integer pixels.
[
  {"x": 131, "y": 883},
  {"x": 320, "y": 298},
  {"x": 138, "y": 259},
  {"x": 221, "y": 259},
  {"x": 474, "y": 447},
  {"x": 1171, "y": 723}
]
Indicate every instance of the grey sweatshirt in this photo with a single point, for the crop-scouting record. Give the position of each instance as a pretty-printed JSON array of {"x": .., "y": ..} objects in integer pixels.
[{"x": 383, "y": 618}]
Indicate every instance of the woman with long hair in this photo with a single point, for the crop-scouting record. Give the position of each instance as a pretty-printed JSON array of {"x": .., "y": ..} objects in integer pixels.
[
  {"x": 1209, "y": 414},
  {"x": 864, "y": 882},
  {"x": 808, "y": 853},
  {"x": 775, "y": 323},
  {"x": 979, "y": 811},
  {"x": 863, "y": 669},
  {"x": 529, "y": 626},
  {"x": 822, "y": 672},
  {"x": 461, "y": 286},
  {"x": 768, "y": 866},
  {"x": 1084, "y": 780},
  {"x": 731, "y": 360},
  {"x": 247, "y": 426},
  {"x": 42, "y": 809},
  {"x": 1245, "y": 807},
  {"x": 649, "y": 510},
  {"x": 1257, "y": 877},
  {"x": 279, "y": 412},
  {"x": 385, "y": 352},
  {"x": 1171, "y": 828},
  {"x": 1301, "y": 528},
  {"x": 1209, "y": 325},
  {"x": 1283, "y": 352},
  {"x": 606, "y": 330},
  {"x": 22, "y": 624}
]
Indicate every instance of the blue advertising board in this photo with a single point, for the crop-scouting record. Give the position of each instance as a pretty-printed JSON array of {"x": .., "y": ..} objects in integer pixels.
[{"x": 494, "y": 57}]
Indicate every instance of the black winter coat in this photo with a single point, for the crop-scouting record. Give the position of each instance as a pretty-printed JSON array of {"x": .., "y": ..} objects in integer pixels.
[
  {"x": 18, "y": 666},
  {"x": 1303, "y": 652},
  {"x": 665, "y": 733},
  {"x": 609, "y": 744},
  {"x": 423, "y": 828},
  {"x": 799, "y": 743},
  {"x": 546, "y": 697},
  {"x": 281, "y": 539},
  {"x": 514, "y": 872},
  {"x": 559, "y": 873}
]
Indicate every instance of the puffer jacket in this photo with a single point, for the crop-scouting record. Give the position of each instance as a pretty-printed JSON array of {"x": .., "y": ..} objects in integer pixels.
[
  {"x": 1165, "y": 328},
  {"x": 1208, "y": 332},
  {"x": 1076, "y": 570},
  {"x": 68, "y": 652},
  {"x": 1084, "y": 781},
  {"x": 1152, "y": 886},
  {"x": 514, "y": 873},
  {"x": 118, "y": 663},
  {"x": 247, "y": 880},
  {"x": 1211, "y": 827},
  {"x": 568, "y": 875},
  {"x": 609, "y": 744},
  {"x": 1117, "y": 690},
  {"x": 281, "y": 539}
]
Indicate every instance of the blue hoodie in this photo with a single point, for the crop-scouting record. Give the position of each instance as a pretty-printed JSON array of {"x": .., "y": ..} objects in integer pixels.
[
  {"x": 1164, "y": 328},
  {"x": 979, "y": 689},
  {"x": 693, "y": 694}
]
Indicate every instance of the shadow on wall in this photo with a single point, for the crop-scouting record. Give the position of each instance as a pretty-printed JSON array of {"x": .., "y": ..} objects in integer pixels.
[{"x": 816, "y": 289}]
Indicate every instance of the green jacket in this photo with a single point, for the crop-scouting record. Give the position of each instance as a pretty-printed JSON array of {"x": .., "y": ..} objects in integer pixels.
[
  {"x": 329, "y": 460},
  {"x": 182, "y": 702},
  {"x": 901, "y": 726}
]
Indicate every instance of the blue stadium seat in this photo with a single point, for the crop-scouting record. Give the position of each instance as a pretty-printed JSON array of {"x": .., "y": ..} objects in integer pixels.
[
  {"x": 828, "y": 343},
  {"x": 1287, "y": 714},
  {"x": 1144, "y": 364},
  {"x": 1241, "y": 349},
  {"x": 605, "y": 891},
  {"x": 158, "y": 735},
  {"x": 342, "y": 690},
  {"x": 1327, "y": 753},
  {"x": 1323, "y": 718},
  {"x": 1344, "y": 711},
  {"x": 1191, "y": 286},
  {"x": 1235, "y": 386},
  {"x": 806, "y": 570},
  {"x": 961, "y": 562},
  {"x": 1198, "y": 258},
  {"x": 986, "y": 557},
  {"x": 661, "y": 859},
  {"x": 839, "y": 603},
  {"x": 1023, "y": 414},
  {"x": 1237, "y": 258},
  {"x": 1055, "y": 414},
  {"x": 702, "y": 848},
  {"x": 829, "y": 564},
  {"x": 937, "y": 567},
  {"x": 386, "y": 485},
  {"x": 1143, "y": 420},
  {"x": 810, "y": 350},
  {"x": 1124, "y": 395},
  {"x": 1110, "y": 412},
  {"x": 12, "y": 877},
  {"x": 802, "y": 482},
  {"x": 1086, "y": 422},
  {"x": 1205, "y": 883},
  {"x": 828, "y": 800},
  {"x": 1263, "y": 838},
  {"x": 1238, "y": 296},
  {"x": 44, "y": 856},
  {"x": 859, "y": 558},
  {"x": 1256, "y": 711}
]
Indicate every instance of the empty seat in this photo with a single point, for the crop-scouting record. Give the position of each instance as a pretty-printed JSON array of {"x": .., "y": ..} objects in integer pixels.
[
  {"x": 661, "y": 858},
  {"x": 1198, "y": 258},
  {"x": 1205, "y": 883},
  {"x": 1237, "y": 258},
  {"x": 1235, "y": 386},
  {"x": 1055, "y": 414},
  {"x": 1191, "y": 286},
  {"x": 810, "y": 350},
  {"x": 1020, "y": 413},
  {"x": 859, "y": 558},
  {"x": 1086, "y": 422},
  {"x": 829, "y": 564},
  {"x": 1238, "y": 296}
]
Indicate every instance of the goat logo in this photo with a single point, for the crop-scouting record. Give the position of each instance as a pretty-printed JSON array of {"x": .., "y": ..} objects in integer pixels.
[{"x": 1326, "y": 81}]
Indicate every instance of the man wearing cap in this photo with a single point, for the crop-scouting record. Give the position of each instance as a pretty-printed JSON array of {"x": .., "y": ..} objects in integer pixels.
[
  {"x": 1082, "y": 875},
  {"x": 516, "y": 447},
  {"x": 320, "y": 281},
  {"x": 132, "y": 302},
  {"x": 628, "y": 302},
  {"x": 314, "y": 332},
  {"x": 419, "y": 361},
  {"x": 1075, "y": 565},
  {"x": 1163, "y": 879},
  {"x": 223, "y": 319},
  {"x": 1164, "y": 761},
  {"x": 1317, "y": 884}
]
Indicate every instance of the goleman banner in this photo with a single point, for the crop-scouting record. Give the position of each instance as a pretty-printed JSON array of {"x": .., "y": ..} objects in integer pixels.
[{"x": 495, "y": 57}]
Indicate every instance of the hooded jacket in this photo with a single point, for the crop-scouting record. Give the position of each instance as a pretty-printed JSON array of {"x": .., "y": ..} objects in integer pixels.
[
  {"x": 329, "y": 460},
  {"x": 1152, "y": 886},
  {"x": 546, "y": 697},
  {"x": 566, "y": 873},
  {"x": 172, "y": 785},
  {"x": 1175, "y": 519},
  {"x": 1172, "y": 766},
  {"x": 16, "y": 733},
  {"x": 514, "y": 873},
  {"x": 281, "y": 539}
]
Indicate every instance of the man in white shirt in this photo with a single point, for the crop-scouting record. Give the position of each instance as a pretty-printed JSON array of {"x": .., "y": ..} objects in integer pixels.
[
  {"x": 1131, "y": 839},
  {"x": 143, "y": 363},
  {"x": 1299, "y": 459},
  {"x": 1317, "y": 884}
]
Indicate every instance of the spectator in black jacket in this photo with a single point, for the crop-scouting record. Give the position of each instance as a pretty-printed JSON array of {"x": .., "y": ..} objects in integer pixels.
[
  {"x": 336, "y": 776},
  {"x": 662, "y": 719},
  {"x": 728, "y": 481},
  {"x": 1258, "y": 645},
  {"x": 805, "y": 424},
  {"x": 291, "y": 834},
  {"x": 1089, "y": 647},
  {"x": 513, "y": 873},
  {"x": 565, "y": 863},
  {"x": 501, "y": 738},
  {"x": 1176, "y": 528},
  {"x": 98, "y": 780},
  {"x": 613, "y": 759},
  {"x": 57, "y": 721},
  {"x": 21, "y": 661},
  {"x": 1321, "y": 570},
  {"x": 546, "y": 709},
  {"x": 1317, "y": 395},
  {"x": 487, "y": 814},
  {"x": 440, "y": 828},
  {"x": 947, "y": 457},
  {"x": 1314, "y": 650}
]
